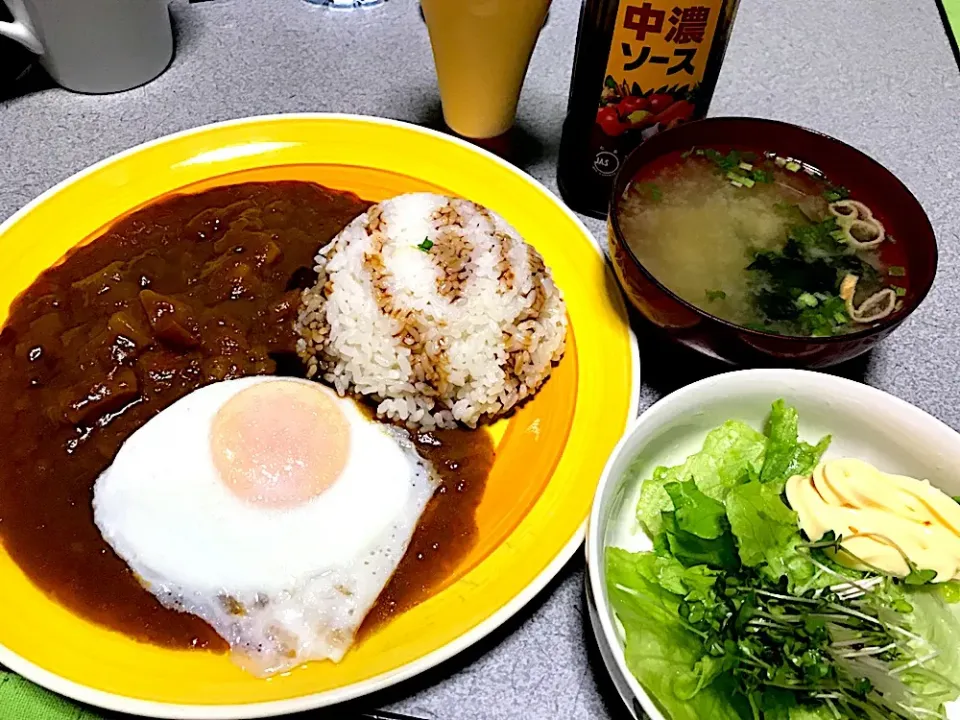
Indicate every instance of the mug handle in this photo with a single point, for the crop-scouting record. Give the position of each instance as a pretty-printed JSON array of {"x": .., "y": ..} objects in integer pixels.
[{"x": 19, "y": 30}]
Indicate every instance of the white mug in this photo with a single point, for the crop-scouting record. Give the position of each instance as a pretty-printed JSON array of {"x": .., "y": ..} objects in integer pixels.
[{"x": 95, "y": 46}]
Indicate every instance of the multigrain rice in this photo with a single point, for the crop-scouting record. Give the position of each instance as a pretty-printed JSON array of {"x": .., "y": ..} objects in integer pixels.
[{"x": 436, "y": 309}]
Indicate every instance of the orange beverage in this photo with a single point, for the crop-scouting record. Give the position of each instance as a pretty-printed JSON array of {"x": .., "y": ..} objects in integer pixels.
[{"x": 482, "y": 49}]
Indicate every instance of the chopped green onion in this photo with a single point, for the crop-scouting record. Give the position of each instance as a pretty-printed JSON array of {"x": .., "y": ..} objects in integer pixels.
[
  {"x": 426, "y": 244},
  {"x": 656, "y": 194},
  {"x": 900, "y": 291},
  {"x": 838, "y": 235},
  {"x": 836, "y": 193},
  {"x": 840, "y": 318},
  {"x": 687, "y": 154},
  {"x": 736, "y": 183},
  {"x": 716, "y": 295},
  {"x": 746, "y": 166},
  {"x": 896, "y": 270},
  {"x": 807, "y": 300},
  {"x": 700, "y": 151},
  {"x": 780, "y": 161},
  {"x": 793, "y": 166},
  {"x": 739, "y": 180},
  {"x": 725, "y": 163},
  {"x": 762, "y": 176}
]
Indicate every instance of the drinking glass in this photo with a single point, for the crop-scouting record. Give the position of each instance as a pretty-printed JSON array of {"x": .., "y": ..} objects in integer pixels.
[{"x": 482, "y": 49}]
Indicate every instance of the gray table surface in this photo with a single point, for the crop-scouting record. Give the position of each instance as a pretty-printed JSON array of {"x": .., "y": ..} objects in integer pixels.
[{"x": 878, "y": 74}]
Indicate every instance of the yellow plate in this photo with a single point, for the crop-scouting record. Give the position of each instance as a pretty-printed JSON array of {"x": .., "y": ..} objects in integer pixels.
[{"x": 549, "y": 454}]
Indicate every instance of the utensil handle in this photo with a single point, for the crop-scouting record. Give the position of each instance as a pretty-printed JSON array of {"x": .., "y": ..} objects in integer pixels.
[{"x": 19, "y": 30}]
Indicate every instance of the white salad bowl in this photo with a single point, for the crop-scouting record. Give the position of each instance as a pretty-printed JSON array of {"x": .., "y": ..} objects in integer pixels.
[{"x": 864, "y": 422}]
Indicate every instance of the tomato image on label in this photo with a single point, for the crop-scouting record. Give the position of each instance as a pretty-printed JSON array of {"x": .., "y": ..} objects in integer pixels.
[
  {"x": 651, "y": 46},
  {"x": 660, "y": 101},
  {"x": 610, "y": 120},
  {"x": 660, "y": 110}
]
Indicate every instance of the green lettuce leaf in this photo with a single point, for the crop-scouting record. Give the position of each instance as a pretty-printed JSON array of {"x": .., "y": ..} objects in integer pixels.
[
  {"x": 697, "y": 529},
  {"x": 786, "y": 455},
  {"x": 660, "y": 651},
  {"x": 690, "y": 583},
  {"x": 732, "y": 454},
  {"x": 767, "y": 533},
  {"x": 939, "y": 624},
  {"x": 705, "y": 670},
  {"x": 696, "y": 513}
]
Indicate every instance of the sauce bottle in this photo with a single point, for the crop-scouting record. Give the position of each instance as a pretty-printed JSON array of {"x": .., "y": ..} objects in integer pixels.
[{"x": 641, "y": 67}]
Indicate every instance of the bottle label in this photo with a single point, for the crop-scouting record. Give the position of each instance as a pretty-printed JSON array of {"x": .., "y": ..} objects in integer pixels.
[{"x": 658, "y": 58}]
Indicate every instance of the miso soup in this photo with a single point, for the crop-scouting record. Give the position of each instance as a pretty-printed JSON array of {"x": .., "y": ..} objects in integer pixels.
[{"x": 764, "y": 241}]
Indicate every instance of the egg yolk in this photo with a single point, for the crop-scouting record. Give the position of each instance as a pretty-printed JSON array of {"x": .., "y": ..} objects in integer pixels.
[{"x": 280, "y": 443}]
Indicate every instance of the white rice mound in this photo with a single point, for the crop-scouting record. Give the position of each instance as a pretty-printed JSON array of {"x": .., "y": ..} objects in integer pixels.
[{"x": 435, "y": 308}]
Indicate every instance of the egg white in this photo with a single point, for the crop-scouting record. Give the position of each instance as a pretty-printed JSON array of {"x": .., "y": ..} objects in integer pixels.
[{"x": 282, "y": 586}]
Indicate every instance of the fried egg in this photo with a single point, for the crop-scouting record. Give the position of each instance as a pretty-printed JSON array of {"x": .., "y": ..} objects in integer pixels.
[{"x": 271, "y": 508}]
